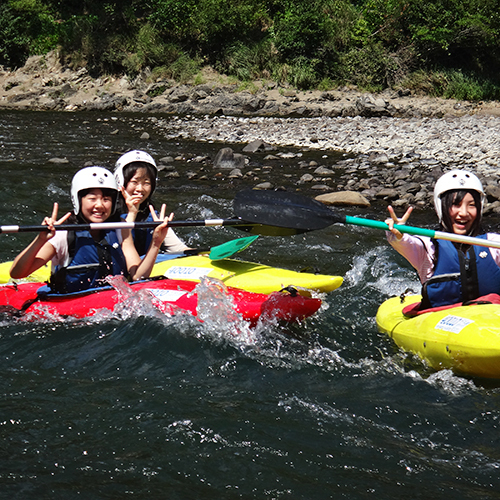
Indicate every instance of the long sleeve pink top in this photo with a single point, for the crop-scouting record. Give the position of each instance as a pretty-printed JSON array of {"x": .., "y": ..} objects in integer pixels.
[{"x": 419, "y": 251}]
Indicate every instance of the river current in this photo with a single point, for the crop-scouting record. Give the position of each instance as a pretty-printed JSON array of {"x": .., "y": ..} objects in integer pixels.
[{"x": 150, "y": 407}]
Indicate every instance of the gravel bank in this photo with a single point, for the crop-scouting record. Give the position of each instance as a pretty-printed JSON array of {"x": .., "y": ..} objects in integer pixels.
[
  {"x": 398, "y": 143},
  {"x": 393, "y": 159}
]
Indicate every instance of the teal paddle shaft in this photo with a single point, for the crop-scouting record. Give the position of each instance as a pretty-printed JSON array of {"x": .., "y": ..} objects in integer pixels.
[
  {"x": 418, "y": 231},
  {"x": 302, "y": 214}
]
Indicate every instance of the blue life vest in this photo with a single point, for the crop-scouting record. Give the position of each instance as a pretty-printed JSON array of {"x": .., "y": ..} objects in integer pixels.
[
  {"x": 142, "y": 237},
  {"x": 460, "y": 277},
  {"x": 90, "y": 262}
]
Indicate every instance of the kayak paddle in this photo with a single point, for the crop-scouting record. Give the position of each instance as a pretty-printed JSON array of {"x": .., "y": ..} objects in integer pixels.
[
  {"x": 222, "y": 251},
  {"x": 279, "y": 224},
  {"x": 302, "y": 214},
  {"x": 254, "y": 228},
  {"x": 229, "y": 248}
]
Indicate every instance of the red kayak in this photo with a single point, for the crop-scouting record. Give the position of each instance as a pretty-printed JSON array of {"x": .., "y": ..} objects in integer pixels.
[{"x": 165, "y": 295}]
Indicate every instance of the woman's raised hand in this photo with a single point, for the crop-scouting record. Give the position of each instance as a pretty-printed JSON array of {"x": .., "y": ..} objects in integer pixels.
[
  {"x": 161, "y": 230},
  {"x": 393, "y": 219},
  {"x": 53, "y": 221},
  {"x": 133, "y": 201}
]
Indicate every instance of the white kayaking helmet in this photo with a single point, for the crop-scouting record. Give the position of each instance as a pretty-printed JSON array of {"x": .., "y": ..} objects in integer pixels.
[
  {"x": 90, "y": 178},
  {"x": 132, "y": 157},
  {"x": 453, "y": 181}
]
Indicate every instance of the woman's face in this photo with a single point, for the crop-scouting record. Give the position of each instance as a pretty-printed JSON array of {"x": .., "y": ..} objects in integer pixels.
[
  {"x": 96, "y": 206},
  {"x": 140, "y": 184},
  {"x": 463, "y": 214}
]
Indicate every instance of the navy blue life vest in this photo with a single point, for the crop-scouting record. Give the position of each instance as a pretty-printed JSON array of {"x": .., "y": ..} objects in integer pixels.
[
  {"x": 142, "y": 237},
  {"x": 460, "y": 277},
  {"x": 90, "y": 262}
]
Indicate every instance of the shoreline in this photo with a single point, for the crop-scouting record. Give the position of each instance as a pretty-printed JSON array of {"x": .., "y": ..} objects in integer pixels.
[
  {"x": 43, "y": 84},
  {"x": 402, "y": 143}
]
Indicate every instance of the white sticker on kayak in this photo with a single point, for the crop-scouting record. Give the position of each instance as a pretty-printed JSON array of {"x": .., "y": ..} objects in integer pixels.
[
  {"x": 184, "y": 272},
  {"x": 454, "y": 324},
  {"x": 166, "y": 295}
]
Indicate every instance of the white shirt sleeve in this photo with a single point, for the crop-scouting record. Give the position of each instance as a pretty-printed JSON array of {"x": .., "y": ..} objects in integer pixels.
[
  {"x": 173, "y": 243},
  {"x": 60, "y": 244}
]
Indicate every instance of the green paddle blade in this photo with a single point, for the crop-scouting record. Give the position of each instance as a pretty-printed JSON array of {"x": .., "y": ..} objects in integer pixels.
[
  {"x": 293, "y": 211},
  {"x": 229, "y": 248}
]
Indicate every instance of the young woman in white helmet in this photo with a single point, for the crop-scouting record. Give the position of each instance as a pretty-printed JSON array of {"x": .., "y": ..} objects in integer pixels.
[
  {"x": 136, "y": 175},
  {"x": 451, "y": 272},
  {"x": 82, "y": 259}
]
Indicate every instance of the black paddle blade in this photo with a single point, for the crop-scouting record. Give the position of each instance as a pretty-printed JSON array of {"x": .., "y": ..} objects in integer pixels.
[
  {"x": 265, "y": 230},
  {"x": 287, "y": 210}
]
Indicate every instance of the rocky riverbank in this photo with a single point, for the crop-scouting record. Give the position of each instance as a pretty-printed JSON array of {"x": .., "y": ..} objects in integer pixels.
[
  {"x": 393, "y": 159},
  {"x": 397, "y": 144},
  {"x": 44, "y": 84}
]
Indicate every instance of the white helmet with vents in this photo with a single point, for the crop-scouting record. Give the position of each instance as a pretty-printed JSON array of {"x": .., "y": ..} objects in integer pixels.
[
  {"x": 131, "y": 157},
  {"x": 90, "y": 178},
  {"x": 455, "y": 180}
]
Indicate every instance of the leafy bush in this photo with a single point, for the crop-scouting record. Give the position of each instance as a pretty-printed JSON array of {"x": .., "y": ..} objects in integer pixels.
[
  {"x": 452, "y": 84},
  {"x": 369, "y": 43},
  {"x": 299, "y": 31},
  {"x": 370, "y": 67},
  {"x": 210, "y": 27},
  {"x": 248, "y": 62},
  {"x": 27, "y": 27},
  {"x": 448, "y": 33},
  {"x": 303, "y": 74}
]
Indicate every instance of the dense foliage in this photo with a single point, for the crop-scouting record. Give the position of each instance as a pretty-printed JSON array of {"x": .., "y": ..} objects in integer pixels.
[{"x": 444, "y": 47}]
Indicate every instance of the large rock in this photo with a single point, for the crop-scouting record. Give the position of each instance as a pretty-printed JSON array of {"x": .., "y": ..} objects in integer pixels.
[
  {"x": 348, "y": 198},
  {"x": 369, "y": 106},
  {"x": 492, "y": 192},
  {"x": 226, "y": 158}
]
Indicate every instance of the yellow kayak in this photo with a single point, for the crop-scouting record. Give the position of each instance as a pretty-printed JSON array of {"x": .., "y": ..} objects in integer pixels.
[
  {"x": 465, "y": 339},
  {"x": 248, "y": 276},
  {"x": 40, "y": 275}
]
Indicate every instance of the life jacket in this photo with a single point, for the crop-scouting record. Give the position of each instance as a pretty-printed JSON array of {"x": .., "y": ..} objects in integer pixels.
[
  {"x": 142, "y": 237},
  {"x": 459, "y": 276},
  {"x": 90, "y": 262}
]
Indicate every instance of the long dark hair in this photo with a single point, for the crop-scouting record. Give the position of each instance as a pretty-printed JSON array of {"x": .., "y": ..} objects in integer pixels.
[
  {"x": 454, "y": 197},
  {"x": 128, "y": 172}
]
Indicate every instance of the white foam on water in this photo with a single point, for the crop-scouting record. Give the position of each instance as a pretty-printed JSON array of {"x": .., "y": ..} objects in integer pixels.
[{"x": 220, "y": 319}]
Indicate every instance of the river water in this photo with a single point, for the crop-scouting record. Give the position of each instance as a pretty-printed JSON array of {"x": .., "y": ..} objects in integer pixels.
[{"x": 143, "y": 407}]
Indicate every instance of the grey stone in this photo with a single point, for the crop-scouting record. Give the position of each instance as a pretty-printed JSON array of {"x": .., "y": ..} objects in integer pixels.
[{"x": 227, "y": 159}]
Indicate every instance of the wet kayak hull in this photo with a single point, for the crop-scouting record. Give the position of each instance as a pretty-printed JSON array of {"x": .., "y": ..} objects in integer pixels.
[
  {"x": 465, "y": 339},
  {"x": 166, "y": 296}
]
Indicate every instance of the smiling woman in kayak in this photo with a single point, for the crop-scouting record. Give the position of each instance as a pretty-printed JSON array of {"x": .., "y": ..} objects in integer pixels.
[
  {"x": 81, "y": 259},
  {"x": 136, "y": 175},
  {"x": 451, "y": 272}
]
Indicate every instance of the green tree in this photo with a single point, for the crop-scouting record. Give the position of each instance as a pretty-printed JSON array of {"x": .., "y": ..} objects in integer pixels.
[{"x": 27, "y": 27}]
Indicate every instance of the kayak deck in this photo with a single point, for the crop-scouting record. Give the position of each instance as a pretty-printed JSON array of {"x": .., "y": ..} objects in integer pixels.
[
  {"x": 465, "y": 339},
  {"x": 234, "y": 273},
  {"x": 249, "y": 276}
]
